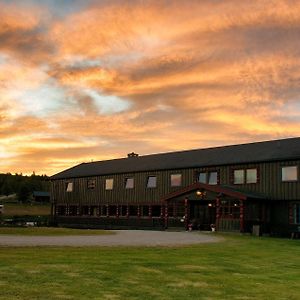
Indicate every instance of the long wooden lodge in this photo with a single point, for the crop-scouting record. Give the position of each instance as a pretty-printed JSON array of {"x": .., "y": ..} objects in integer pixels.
[{"x": 230, "y": 188}]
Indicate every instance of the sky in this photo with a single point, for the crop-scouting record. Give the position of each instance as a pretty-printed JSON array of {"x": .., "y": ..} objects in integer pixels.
[{"x": 83, "y": 81}]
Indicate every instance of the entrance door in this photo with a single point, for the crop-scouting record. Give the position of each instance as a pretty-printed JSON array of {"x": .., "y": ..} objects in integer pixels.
[{"x": 202, "y": 215}]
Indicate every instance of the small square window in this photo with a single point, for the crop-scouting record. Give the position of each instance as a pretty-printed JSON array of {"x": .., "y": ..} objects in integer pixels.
[
  {"x": 69, "y": 186},
  {"x": 129, "y": 183},
  {"x": 151, "y": 183},
  {"x": 202, "y": 177},
  {"x": 175, "y": 179},
  {"x": 213, "y": 178},
  {"x": 238, "y": 177},
  {"x": 109, "y": 184},
  {"x": 289, "y": 173},
  {"x": 91, "y": 184},
  {"x": 251, "y": 176}
]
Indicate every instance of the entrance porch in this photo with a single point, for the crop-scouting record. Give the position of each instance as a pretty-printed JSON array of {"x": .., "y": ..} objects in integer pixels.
[{"x": 203, "y": 207}]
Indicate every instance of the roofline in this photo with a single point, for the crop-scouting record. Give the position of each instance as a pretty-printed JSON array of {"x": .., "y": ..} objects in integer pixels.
[
  {"x": 212, "y": 188},
  {"x": 182, "y": 168}
]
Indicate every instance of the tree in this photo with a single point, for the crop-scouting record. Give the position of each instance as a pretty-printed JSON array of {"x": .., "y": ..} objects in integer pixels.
[{"x": 24, "y": 192}]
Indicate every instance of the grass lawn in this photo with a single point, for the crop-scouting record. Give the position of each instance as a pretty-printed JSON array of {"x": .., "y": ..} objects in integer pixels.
[
  {"x": 50, "y": 231},
  {"x": 17, "y": 209},
  {"x": 241, "y": 267}
]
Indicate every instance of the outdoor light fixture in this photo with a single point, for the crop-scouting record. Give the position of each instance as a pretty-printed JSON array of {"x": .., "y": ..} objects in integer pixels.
[{"x": 201, "y": 193}]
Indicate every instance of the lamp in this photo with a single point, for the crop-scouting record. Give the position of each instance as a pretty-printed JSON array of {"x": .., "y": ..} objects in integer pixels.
[{"x": 201, "y": 193}]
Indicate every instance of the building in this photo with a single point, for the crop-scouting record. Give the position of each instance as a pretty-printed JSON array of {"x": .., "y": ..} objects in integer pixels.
[
  {"x": 41, "y": 196},
  {"x": 232, "y": 188}
]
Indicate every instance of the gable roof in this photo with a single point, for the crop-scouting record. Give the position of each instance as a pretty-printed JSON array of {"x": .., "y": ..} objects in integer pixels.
[
  {"x": 275, "y": 150},
  {"x": 219, "y": 189}
]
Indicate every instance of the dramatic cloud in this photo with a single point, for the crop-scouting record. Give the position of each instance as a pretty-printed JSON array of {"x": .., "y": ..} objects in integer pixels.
[{"x": 91, "y": 80}]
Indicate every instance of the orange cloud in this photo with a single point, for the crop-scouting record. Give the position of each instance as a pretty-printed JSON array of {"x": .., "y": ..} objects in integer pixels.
[{"x": 105, "y": 79}]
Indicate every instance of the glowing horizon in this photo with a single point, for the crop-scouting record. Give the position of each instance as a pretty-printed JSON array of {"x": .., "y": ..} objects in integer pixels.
[{"x": 93, "y": 80}]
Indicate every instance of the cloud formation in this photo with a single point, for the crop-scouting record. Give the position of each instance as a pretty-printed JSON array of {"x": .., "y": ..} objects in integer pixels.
[{"x": 99, "y": 79}]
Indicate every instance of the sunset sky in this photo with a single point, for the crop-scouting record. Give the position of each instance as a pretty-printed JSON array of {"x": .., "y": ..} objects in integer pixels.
[{"x": 94, "y": 80}]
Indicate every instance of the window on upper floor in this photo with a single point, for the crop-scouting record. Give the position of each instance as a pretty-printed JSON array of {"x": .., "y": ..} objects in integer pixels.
[
  {"x": 202, "y": 178},
  {"x": 151, "y": 182},
  {"x": 208, "y": 177},
  {"x": 69, "y": 186},
  {"x": 213, "y": 178},
  {"x": 251, "y": 176},
  {"x": 91, "y": 184},
  {"x": 289, "y": 173},
  {"x": 176, "y": 179},
  {"x": 109, "y": 184},
  {"x": 242, "y": 176},
  {"x": 238, "y": 176},
  {"x": 129, "y": 183}
]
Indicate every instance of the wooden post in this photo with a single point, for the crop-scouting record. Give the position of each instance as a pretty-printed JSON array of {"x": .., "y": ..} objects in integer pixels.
[
  {"x": 166, "y": 216},
  {"x": 218, "y": 213},
  {"x": 242, "y": 216},
  {"x": 186, "y": 214}
]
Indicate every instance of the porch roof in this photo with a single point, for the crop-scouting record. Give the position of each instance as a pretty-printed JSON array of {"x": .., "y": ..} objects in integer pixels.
[{"x": 219, "y": 189}]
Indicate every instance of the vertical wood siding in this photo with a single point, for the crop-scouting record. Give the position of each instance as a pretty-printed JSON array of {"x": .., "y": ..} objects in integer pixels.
[{"x": 269, "y": 185}]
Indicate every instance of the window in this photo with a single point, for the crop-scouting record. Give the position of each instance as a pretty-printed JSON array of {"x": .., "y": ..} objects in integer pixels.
[
  {"x": 112, "y": 210},
  {"x": 123, "y": 210},
  {"x": 175, "y": 179},
  {"x": 289, "y": 173},
  {"x": 144, "y": 211},
  {"x": 243, "y": 176},
  {"x": 238, "y": 176},
  {"x": 151, "y": 183},
  {"x": 156, "y": 211},
  {"x": 213, "y": 178},
  {"x": 251, "y": 176},
  {"x": 91, "y": 184},
  {"x": 73, "y": 210},
  {"x": 296, "y": 213},
  {"x": 109, "y": 184},
  {"x": 69, "y": 186},
  {"x": 208, "y": 177},
  {"x": 133, "y": 210},
  {"x": 230, "y": 209},
  {"x": 202, "y": 177},
  {"x": 129, "y": 183}
]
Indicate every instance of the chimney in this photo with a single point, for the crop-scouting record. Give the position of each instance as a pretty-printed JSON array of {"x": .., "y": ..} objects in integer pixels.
[{"x": 132, "y": 154}]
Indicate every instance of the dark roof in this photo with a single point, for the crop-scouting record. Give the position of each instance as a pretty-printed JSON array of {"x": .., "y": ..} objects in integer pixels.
[
  {"x": 236, "y": 154},
  {"x": 41, "y": 194}
]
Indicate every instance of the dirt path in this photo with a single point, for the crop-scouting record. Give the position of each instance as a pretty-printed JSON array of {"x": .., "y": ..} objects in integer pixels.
[{"x": 121, "y": 238}]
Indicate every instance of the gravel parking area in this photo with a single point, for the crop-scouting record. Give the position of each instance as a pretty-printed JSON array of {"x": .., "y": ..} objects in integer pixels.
[{"x": 121, "y": 238}]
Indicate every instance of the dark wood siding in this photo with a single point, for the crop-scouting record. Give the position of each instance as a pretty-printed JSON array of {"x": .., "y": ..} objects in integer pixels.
[{"x": 269, "y": 185}]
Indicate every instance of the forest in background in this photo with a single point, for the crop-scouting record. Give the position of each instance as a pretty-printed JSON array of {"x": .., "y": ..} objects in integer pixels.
[{"x": 23, "y": 186}]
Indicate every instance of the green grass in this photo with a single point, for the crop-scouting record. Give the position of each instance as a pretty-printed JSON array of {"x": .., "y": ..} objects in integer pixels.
[
  {"x": 241, "y": 267},
  {"x": 12, "y": 209},
  {"x": 50, "y": 231}
]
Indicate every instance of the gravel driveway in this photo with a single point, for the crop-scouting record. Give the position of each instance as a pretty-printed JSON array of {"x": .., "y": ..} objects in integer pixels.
[{"x": 121, "y": 238}]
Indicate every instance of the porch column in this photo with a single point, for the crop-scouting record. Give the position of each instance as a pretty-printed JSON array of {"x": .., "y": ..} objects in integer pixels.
[
  {"x": 186, "y": 214},
  {"x": 166, "y": 215},
  {"x": 242, "y": 217},
  {"x": 218, "y": 215}
]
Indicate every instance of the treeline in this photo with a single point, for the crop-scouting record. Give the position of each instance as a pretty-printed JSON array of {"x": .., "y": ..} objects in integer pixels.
[{"x": 23, "y": 186}]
